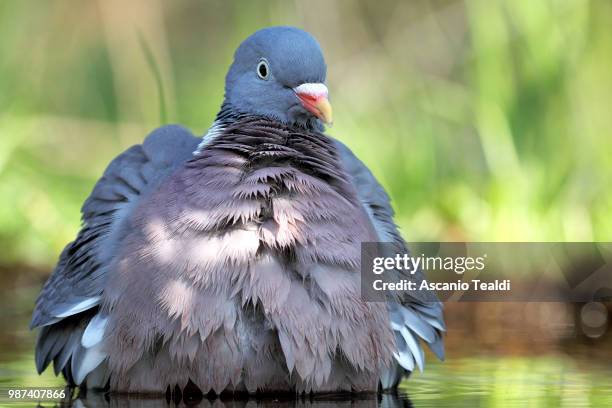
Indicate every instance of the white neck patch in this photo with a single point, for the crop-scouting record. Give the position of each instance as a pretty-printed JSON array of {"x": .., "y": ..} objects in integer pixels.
[{"x": 213, "y": 131}]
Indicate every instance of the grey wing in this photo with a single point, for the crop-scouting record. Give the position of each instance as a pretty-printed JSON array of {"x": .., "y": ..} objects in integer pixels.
[
  {"x": 413, "y": 318},
  {"x": 70, "y": 297}
]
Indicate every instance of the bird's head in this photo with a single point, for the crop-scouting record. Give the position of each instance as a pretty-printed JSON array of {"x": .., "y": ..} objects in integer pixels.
[{"x": 279, "y": 72}]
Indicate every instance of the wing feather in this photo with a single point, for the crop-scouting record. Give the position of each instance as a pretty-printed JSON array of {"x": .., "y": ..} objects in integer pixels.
[
  {"x": 413, "y": 317},
  {"x": 70, "y": 297}
]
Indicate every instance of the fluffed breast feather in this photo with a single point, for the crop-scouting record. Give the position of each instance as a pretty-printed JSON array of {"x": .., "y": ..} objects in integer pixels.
[{"x": 243, "y": 257}]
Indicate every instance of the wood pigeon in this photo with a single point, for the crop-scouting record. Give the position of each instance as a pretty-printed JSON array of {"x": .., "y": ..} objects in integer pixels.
[{"x": 232, "y": 262}]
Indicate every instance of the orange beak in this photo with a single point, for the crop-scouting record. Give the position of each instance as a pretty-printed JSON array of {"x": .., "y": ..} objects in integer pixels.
[{"x": 313, "y": 97}]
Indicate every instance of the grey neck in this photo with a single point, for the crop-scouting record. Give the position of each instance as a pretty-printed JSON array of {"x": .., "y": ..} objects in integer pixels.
[{"x": 228, "y": 114}]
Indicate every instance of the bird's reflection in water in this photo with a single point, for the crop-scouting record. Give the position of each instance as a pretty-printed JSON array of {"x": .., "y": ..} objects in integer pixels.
[{"x": 96, "y": 400}]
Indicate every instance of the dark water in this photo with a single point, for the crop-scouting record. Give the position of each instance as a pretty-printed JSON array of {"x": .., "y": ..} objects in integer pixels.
[{"x": 498, "y": 355}]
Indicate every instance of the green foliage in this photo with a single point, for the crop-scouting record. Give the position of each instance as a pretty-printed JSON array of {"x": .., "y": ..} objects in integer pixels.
[{"x": 484, "y": 119}]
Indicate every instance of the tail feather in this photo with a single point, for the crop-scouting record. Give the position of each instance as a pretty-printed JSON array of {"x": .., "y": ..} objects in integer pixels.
[
  {"x": 412, "y": 322},
  {"x": 60, "y": 343}
]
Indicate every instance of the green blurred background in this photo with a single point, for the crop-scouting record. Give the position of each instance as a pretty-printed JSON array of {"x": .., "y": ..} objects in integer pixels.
[{"x": 486, "y": 120}]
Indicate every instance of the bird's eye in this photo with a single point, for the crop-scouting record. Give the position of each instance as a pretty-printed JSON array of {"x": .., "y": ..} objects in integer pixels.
[{"x": 263, "y": 70}]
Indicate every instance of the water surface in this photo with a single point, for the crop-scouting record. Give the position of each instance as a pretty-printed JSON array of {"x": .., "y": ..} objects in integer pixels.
[{"x": 498, "y": 355}]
